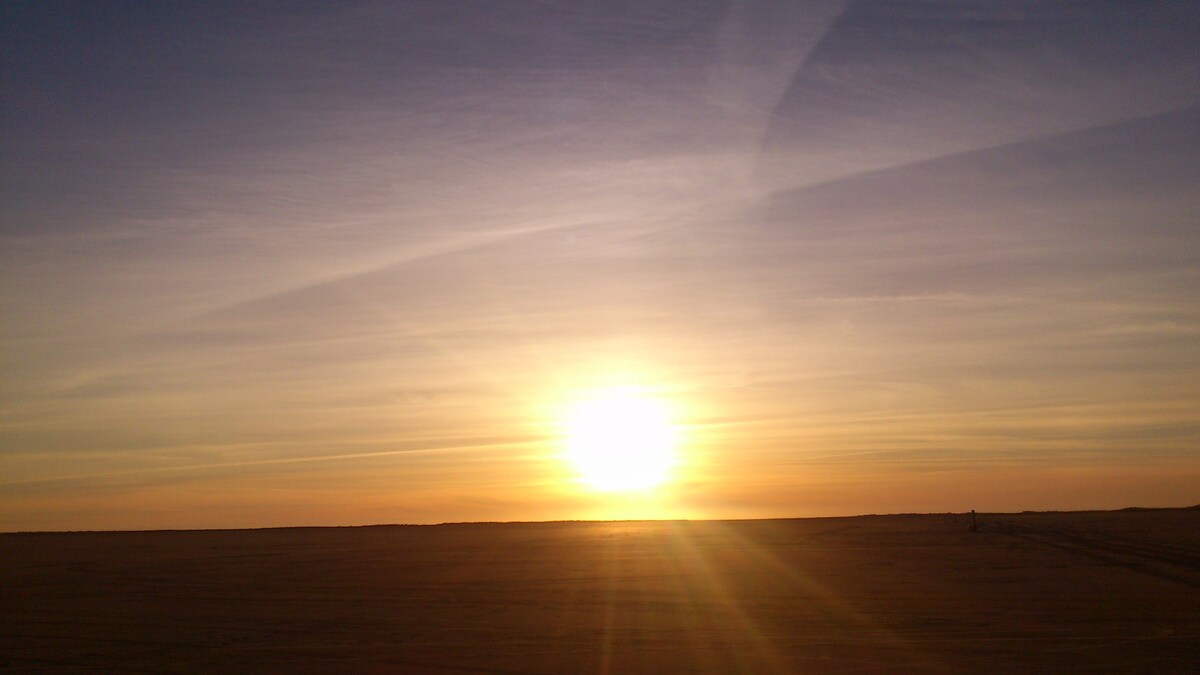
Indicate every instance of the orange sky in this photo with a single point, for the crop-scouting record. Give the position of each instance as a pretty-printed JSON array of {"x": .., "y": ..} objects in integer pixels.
[{"x": 346, "y": 265}]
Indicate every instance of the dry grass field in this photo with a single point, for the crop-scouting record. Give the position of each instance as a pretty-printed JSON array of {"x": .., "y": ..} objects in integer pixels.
[{"x": 1056, "y": 592}]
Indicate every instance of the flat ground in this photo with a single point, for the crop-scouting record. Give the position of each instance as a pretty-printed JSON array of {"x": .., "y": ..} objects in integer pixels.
[{"x": 1070, "y": 592}]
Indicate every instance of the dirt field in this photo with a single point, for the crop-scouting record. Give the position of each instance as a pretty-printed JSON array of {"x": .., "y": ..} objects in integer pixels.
[{"x": 1078, "y": 592}]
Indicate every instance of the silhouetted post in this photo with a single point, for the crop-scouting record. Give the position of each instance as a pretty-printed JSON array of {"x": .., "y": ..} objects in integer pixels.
[{"x": 974, "y": 523}]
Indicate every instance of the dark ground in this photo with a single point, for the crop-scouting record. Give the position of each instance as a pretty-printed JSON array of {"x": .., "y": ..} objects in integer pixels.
[{"x": 1058, "y": 592}]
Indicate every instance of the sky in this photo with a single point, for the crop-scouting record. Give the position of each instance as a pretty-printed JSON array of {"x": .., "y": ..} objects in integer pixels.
[{"x": 306, "y": 263}]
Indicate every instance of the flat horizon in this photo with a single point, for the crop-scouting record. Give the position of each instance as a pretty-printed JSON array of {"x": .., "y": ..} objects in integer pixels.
[{"x": 620, "y": 520}]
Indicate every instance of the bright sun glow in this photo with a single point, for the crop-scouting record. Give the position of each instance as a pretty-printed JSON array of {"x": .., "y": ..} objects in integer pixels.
[{"x": 620, "y": 441}]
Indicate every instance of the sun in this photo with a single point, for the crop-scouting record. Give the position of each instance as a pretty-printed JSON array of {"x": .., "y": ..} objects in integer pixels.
[{"x": 618, "y": 440}]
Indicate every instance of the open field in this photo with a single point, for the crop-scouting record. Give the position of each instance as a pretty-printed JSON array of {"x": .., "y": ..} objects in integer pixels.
[{"x": 1058, "y": 592}]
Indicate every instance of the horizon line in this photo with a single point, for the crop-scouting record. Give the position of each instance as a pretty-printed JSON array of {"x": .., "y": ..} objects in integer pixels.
[{"x": 1192, "y": 507}]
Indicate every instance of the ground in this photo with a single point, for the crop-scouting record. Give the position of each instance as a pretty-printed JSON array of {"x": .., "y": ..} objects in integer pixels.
[{"x": 1069, "y": 592}]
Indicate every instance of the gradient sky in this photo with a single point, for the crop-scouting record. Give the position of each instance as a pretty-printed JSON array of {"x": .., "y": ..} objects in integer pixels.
[{"x": 291, "y": 263}]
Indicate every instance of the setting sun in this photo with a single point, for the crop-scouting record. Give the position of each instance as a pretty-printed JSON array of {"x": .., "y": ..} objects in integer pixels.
[{"x": 620, "y": 441}]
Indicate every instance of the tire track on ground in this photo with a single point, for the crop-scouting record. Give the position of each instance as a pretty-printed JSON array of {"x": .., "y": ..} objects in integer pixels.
[{"x": 1165, "y": 561}]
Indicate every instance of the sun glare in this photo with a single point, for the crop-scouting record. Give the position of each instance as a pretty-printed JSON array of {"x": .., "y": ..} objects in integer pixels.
[{"x": 620, "y": 441}]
